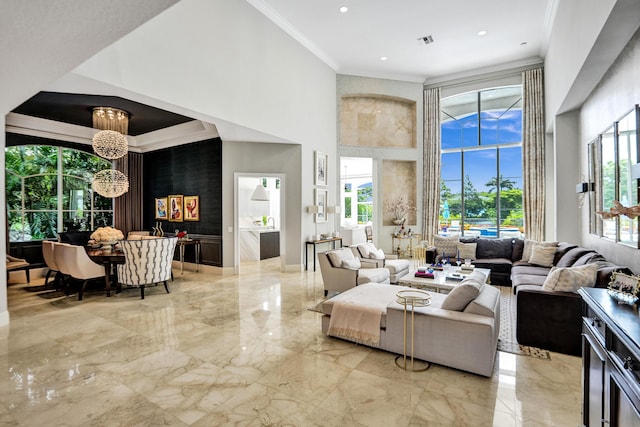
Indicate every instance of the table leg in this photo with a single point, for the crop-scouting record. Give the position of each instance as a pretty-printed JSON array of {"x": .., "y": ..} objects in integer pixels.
[
  {"x": 306, "y": 256},
  {"x": 314, "y": 257},
  {"x": 107, "y": 278},
  {"x": 197, "y": 256},
  {"x": 181, "y": 259}
]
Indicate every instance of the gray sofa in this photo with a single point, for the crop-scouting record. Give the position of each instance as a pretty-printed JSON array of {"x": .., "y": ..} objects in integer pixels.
[
  {"x": 465, "y": 339},
  {"x": 545, "y": 319}
]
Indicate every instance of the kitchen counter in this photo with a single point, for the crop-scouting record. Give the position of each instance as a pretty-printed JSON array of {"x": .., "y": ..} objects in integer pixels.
[{"x": 251, "y": 241}]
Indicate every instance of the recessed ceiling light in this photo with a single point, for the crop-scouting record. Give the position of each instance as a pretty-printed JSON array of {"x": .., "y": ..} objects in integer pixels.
[
  {"x": 344, "y": 9},
  {"x": 523, "y": 43},
  {"x": 383, "y": 58},
  {"x": 482, "y": 33}
]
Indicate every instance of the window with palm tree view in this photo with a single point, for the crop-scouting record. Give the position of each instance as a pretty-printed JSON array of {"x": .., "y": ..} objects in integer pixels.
[
  {"x": 48, "y": 189},
  {"x": 481, "y": 177}
]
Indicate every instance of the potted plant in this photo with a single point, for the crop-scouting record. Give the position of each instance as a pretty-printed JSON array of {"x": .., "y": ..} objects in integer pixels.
[{"x": 399, "y": 208}]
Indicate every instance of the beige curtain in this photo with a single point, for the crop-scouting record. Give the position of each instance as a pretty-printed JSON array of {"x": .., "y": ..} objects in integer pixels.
[
  {"x": 431, "y": 164},
  {"x": 533, "y": 153},
  {"x": 127, "y": 215}
]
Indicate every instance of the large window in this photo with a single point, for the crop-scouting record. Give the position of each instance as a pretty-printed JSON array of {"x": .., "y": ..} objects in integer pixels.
[
  {"x": 481, "y": 178},
  {"x": 49, "y": 190}
]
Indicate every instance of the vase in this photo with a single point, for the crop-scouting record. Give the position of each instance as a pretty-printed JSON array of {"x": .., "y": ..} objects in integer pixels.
[
  {"x": 398, "y": 221},
  {"x": 107, "y": 246}
]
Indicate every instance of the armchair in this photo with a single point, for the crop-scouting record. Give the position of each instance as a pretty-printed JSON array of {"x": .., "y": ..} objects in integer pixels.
[
  {"x": 341, "y": 270},
  {"x": 370, "y": 256},
  {"x": 14, "y": 264}
]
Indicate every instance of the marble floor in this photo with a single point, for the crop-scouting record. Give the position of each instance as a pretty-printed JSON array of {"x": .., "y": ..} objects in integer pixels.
[{"x": 244, "y": 350}]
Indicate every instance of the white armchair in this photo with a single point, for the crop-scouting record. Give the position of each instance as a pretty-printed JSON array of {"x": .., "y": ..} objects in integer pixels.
[
  {"x": 370, "y": 256},
  {"x": 341, "y": 270},
  {"x": 147, "y": 262}
]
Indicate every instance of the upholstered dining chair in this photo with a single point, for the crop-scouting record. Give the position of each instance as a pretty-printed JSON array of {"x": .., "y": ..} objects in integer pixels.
[
  {"x": 80, "y": 266},
  {"x": 147, "y": 262},
  {"x": 49, "y": 259}
]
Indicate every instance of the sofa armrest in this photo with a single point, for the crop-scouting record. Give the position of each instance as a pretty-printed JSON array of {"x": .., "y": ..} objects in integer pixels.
[
  {"x": 549, "y": 320},
  {"x": 371, "y": 263},
  {"x": 461, "y": 340}
]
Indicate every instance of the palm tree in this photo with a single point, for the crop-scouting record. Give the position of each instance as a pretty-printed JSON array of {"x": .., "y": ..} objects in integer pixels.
[{"x": 506, "y": 184}]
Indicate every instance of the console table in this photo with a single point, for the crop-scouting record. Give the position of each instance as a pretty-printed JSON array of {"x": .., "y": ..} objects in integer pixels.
[
  {"x": 315, "y": 243},
  {"x": 181, "y": 245},
  {"x": 610, "y": 361}
]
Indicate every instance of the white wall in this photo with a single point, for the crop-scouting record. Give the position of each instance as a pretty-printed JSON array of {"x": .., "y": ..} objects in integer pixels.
[
  {"x": 615, "y": 95},
  {"x": 225, "y": 63}
]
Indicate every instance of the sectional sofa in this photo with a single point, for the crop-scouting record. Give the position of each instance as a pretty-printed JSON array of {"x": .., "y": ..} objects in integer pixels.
[{"x": 548, "y": 319}]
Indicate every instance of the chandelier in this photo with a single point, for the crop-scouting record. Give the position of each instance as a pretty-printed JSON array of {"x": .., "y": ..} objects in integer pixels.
[
  {"x": 110, "y": 183},
  {"x": 110, "y": 142}
]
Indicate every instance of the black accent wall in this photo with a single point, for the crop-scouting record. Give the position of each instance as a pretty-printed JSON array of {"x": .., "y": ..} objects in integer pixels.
[{"x": 190, "y": 170}]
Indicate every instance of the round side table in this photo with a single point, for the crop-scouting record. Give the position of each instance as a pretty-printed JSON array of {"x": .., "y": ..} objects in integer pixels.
[{"x": 409, "y": 299}]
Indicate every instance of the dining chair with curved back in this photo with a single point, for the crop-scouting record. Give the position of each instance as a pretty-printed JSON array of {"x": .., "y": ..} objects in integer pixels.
[
  {"x": 147, "y": 262},
  {"x": 60, "y": 257},
  {"x": 49, "y": 258},
  {"x": 81, "y": 267}
]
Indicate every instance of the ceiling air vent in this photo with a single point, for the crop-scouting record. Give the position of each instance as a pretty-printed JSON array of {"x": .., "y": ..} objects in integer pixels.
[{"x": 426, "y": 39}]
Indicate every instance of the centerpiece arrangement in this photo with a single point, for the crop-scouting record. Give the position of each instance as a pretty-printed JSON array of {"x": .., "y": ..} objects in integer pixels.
[
  {"x": 107, "y": 236},
  {"x": 399, "y": 208}
]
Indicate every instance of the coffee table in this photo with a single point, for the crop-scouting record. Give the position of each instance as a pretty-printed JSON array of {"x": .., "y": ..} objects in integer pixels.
[{"x": 440, "y": 282}]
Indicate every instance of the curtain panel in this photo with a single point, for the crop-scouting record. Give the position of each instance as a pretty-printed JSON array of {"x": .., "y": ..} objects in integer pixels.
[
  {"x": 431, "y": 165},
  {"x": 533, "y": 153},
  {"x": 127, "y": 211}
]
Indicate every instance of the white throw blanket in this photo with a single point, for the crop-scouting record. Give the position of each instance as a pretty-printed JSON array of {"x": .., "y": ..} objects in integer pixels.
[{"x": 355, "y": 322}]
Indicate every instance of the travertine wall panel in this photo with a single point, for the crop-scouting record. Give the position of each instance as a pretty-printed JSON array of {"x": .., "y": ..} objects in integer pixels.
[{"x": 378, "y": 121}]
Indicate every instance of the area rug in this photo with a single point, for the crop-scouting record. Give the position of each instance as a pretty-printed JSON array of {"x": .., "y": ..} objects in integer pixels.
[{"x": 507, "y": 338}]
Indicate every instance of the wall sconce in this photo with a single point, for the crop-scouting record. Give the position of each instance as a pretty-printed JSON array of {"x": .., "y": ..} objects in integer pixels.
[{"x": 313, "y": 209}]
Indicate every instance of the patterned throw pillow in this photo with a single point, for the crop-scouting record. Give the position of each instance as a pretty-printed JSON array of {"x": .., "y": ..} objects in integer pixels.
[
  {"x": 467, "y": 250},
  {"x": 446, "y": 246},
  {"x": 542, "y": 255},
  {"x": 570, "y": 279},
  {"x": 528, "y": 247}
]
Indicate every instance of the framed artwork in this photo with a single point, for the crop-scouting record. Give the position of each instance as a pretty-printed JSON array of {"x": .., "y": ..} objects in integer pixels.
[
  {"x": 175, "y": 208},
  {"x": 320, "y": 169},
  {"x": 161, "y": 208},
  {"x": 321, "y": 202},
  {"x": 192, "y": 208}
]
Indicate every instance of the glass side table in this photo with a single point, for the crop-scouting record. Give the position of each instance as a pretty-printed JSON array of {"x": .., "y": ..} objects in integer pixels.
[{"x": 409, "y": 299}]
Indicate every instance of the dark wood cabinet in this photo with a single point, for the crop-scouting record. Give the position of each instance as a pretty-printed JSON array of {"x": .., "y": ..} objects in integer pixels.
[
  {"x": 610, "y": 361},
  {"x": 269, "y": 244}
]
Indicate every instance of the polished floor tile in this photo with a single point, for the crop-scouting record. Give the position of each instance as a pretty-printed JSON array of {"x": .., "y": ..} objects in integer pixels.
[{"x": 244, "y": 350}]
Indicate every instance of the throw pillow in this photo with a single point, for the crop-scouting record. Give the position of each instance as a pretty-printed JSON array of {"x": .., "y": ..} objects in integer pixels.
[
  {"x": 377, "y": 254},
  {"x": 528, "y": 247},
  {"x": 351, "y": 264},
  {"x": 464, "y": 293},
  {"x": 570, "y": 279},
  {"x": 467, "y": 250},
  {"x": 336, "y": 257},
  {"x": 446, "y": 246},
  {"x": 542, "y": 255},
  {"x": 365, "y": 249}
]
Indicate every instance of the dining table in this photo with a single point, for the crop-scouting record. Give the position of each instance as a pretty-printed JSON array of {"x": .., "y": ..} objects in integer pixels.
[{"x": 108, "y": 258}]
